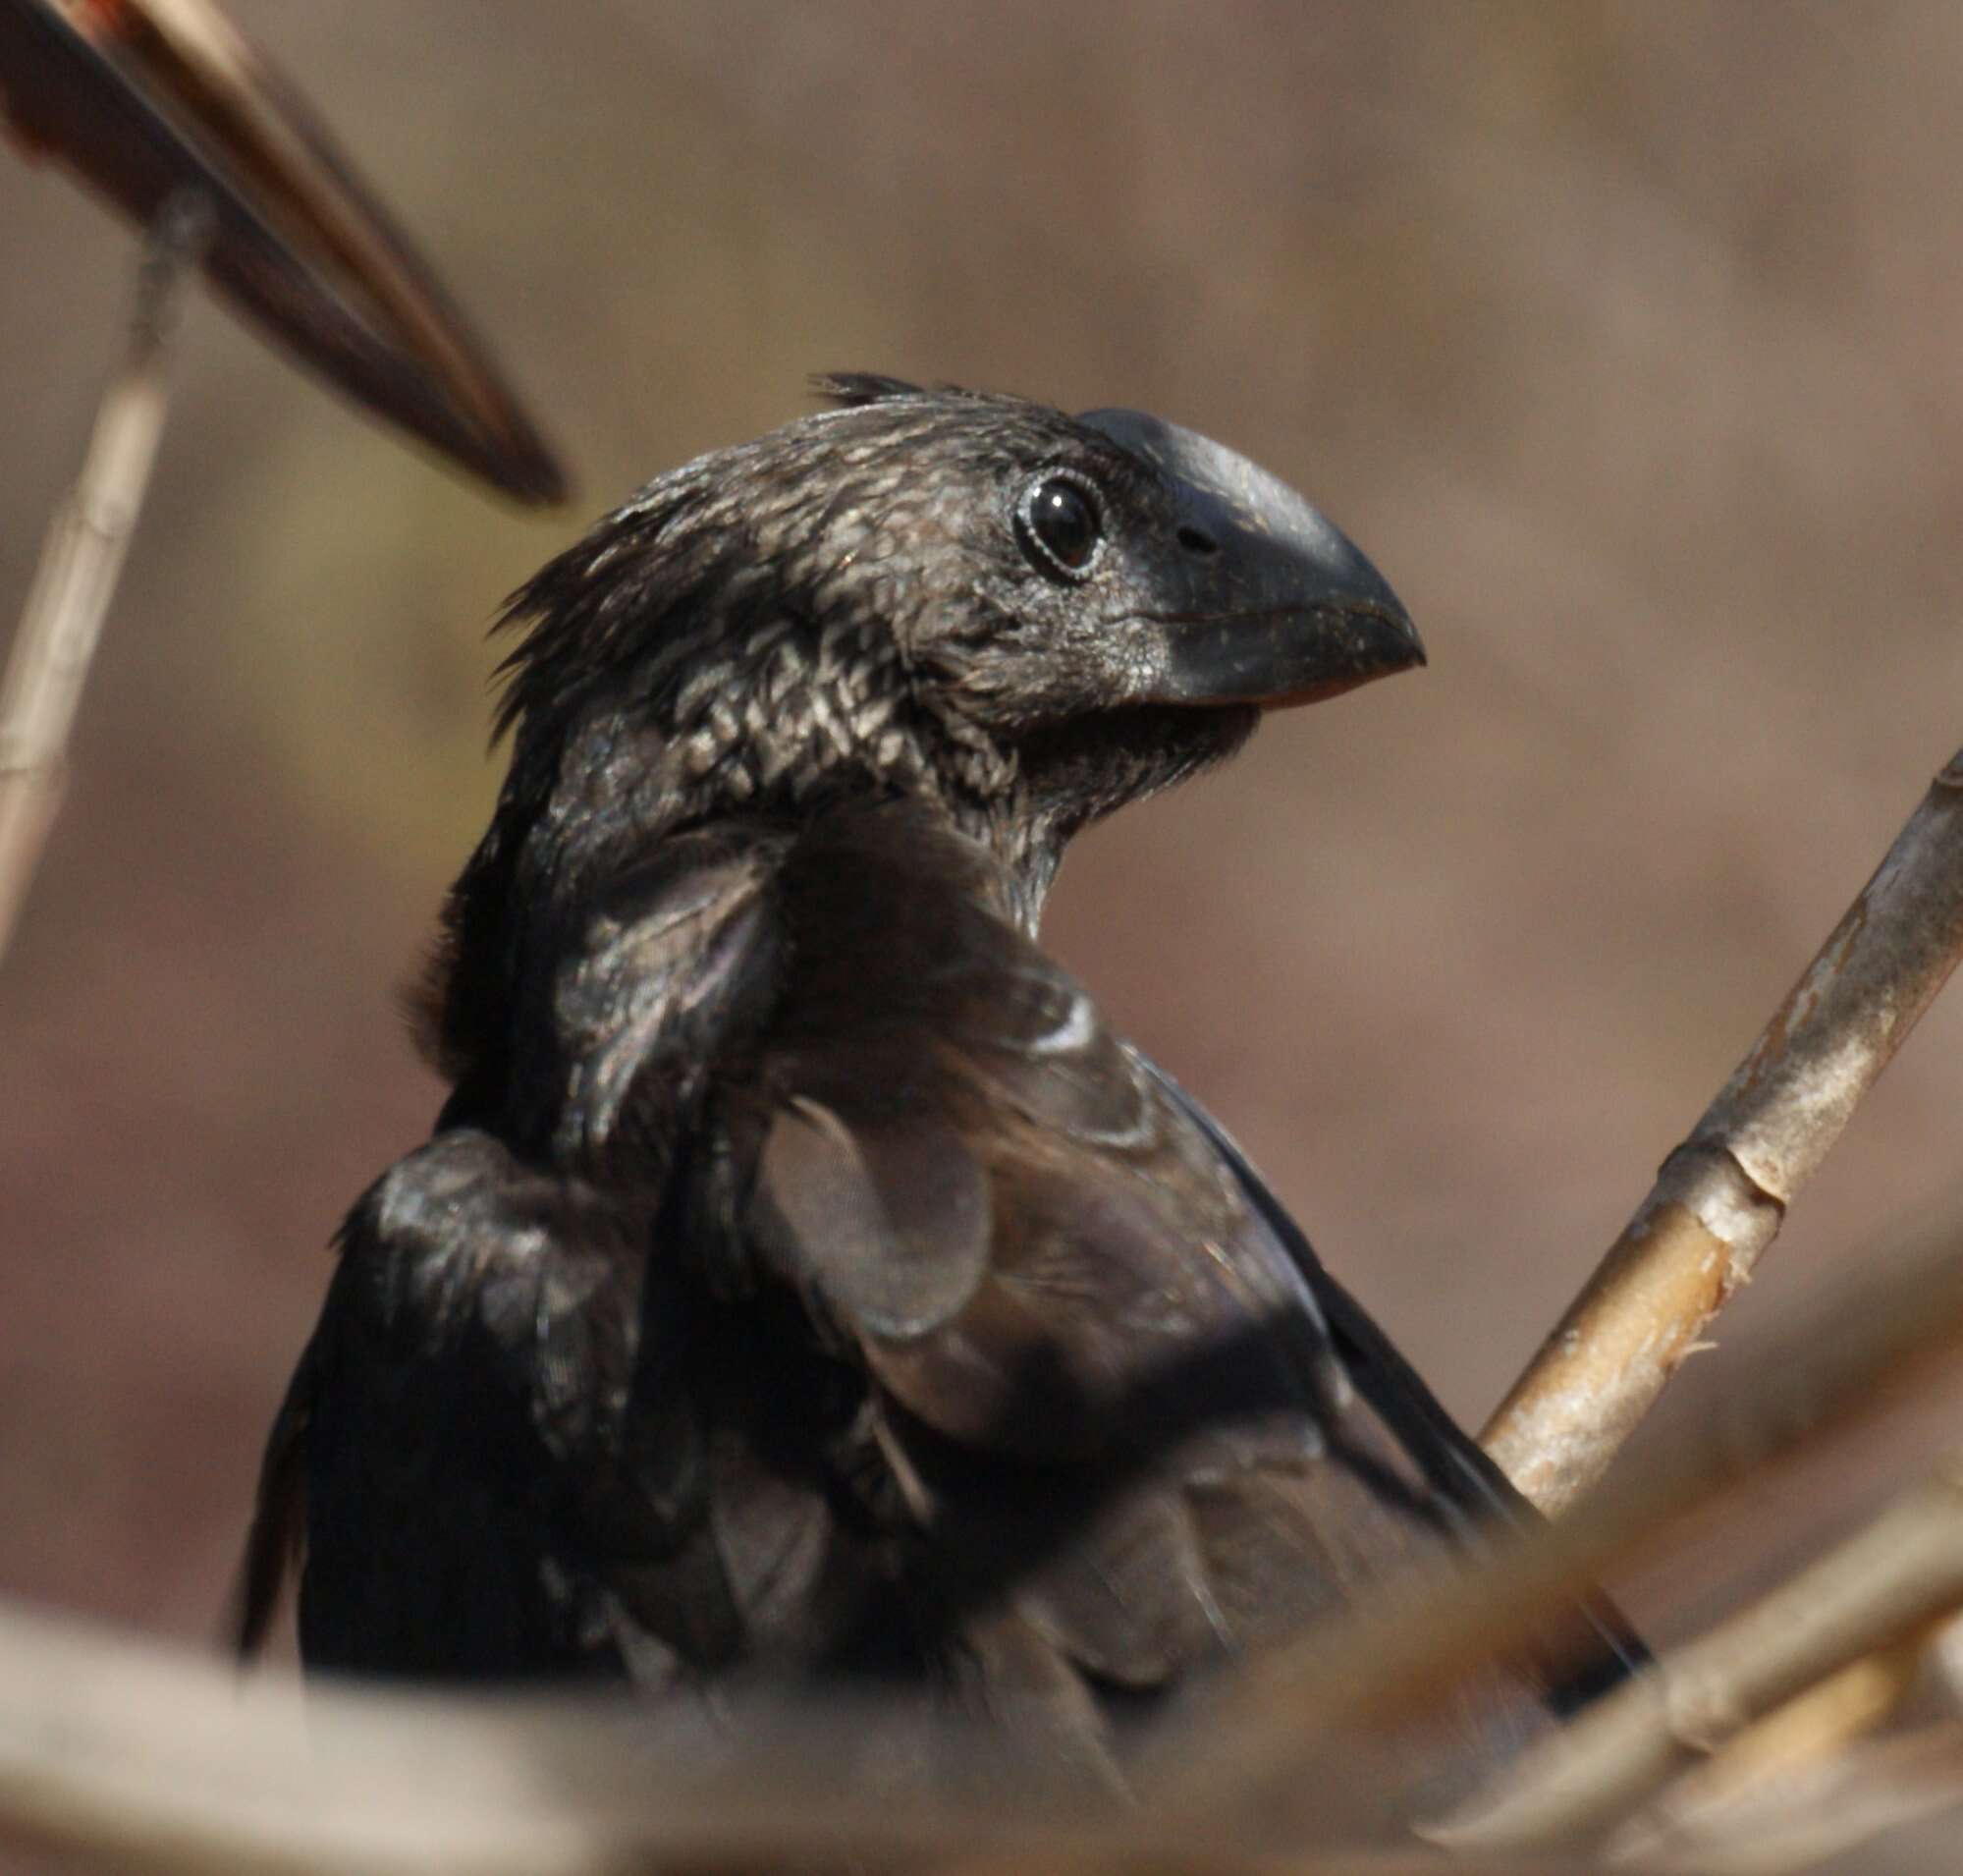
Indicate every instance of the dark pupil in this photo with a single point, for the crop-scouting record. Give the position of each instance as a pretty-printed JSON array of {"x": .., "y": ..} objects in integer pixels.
[{"x": 1065, "y": 524}]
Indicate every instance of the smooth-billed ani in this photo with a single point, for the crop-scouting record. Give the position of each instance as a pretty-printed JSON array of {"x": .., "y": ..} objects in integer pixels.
[{"x": 803, "y": 1279}]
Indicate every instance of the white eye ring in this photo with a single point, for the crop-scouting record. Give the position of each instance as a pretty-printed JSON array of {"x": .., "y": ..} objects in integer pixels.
[{"x": 1060, "y": 525}]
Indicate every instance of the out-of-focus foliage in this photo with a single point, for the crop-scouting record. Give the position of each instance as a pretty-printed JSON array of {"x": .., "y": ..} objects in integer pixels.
[{"x": 1623, "y": 337}]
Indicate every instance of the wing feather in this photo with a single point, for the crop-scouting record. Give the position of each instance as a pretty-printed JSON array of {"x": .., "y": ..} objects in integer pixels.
[{"x": 1119, "y": 1399}]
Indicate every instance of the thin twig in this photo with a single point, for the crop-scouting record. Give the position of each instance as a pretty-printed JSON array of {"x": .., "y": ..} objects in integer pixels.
[
  {"x": 81, "y": 563},
  {"x": 1722, "y": 1195},
  {"x": 1892, "y": 1579}
]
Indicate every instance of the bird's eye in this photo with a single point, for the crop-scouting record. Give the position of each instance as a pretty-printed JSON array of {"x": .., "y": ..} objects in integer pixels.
[{"x": 1059, "y": 526}]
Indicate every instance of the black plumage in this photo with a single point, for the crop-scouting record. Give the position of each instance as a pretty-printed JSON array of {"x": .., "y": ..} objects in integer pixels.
[{"x": 803, "y": 1280}]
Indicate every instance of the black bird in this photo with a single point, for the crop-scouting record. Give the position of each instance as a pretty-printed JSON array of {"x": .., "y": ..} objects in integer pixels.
[{"x": 805, "y": 1281}]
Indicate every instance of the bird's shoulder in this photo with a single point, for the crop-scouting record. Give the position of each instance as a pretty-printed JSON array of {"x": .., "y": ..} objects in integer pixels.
[
  {"x": 952, "y": 1154},
  {"x": 672, "y": 960},
  {"x": 1106, "y": 1397}
]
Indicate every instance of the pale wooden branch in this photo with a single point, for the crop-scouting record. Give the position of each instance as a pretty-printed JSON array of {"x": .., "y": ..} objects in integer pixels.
[
  {"x": 81, "y": 563},
  {"x": 1894, "y": 1580},
  {"x": 1820, "y": 1811},
  {"x": 1722, "y": 1195}
]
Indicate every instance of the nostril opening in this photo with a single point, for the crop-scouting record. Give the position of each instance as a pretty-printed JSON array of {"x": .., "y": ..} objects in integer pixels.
[{"x": 1195, "y": 542}]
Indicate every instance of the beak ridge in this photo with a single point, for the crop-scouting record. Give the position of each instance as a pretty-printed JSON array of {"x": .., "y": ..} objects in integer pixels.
[{"x": 1271, "y": 603}]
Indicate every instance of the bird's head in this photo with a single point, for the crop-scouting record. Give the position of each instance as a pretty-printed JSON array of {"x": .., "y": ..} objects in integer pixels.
[
  {"x": 1038, "y": 617},
  {"x": 1027, "y": 618}
]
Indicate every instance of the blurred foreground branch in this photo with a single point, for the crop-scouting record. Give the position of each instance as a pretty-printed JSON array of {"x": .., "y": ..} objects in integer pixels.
[
  {"x": 1846, "y": 1363},
  {"x": 129, "y": 1749},
  {"x": 1809, "y": 1813},
  {"x": 147, "y": 1755},
  {"x": 1891, "y": 1582},
  {"x": 1723, "y": 1194},
  {"x": 1288, "y": 1716},
  {"x": 81, "y": 563}
]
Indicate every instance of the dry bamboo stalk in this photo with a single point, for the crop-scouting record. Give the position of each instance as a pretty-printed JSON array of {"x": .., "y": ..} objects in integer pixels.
[
  {"x": 87, "y": 544},
  {"x": 1722, "y": 1195},
  {"x": 1893, "y": 1580}
]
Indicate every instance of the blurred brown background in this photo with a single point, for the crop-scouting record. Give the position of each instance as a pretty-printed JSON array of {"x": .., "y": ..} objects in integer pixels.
[{"x": 1625, "y": 337}]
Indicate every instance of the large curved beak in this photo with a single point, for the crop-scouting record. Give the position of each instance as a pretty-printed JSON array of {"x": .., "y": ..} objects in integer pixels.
[
  {"x": 1264, "y": 600},
  {"x": 151, "y": 99}
]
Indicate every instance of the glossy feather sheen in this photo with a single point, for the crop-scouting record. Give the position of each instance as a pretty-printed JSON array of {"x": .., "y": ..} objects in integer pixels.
[{"x": 805, "y": 1281}]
